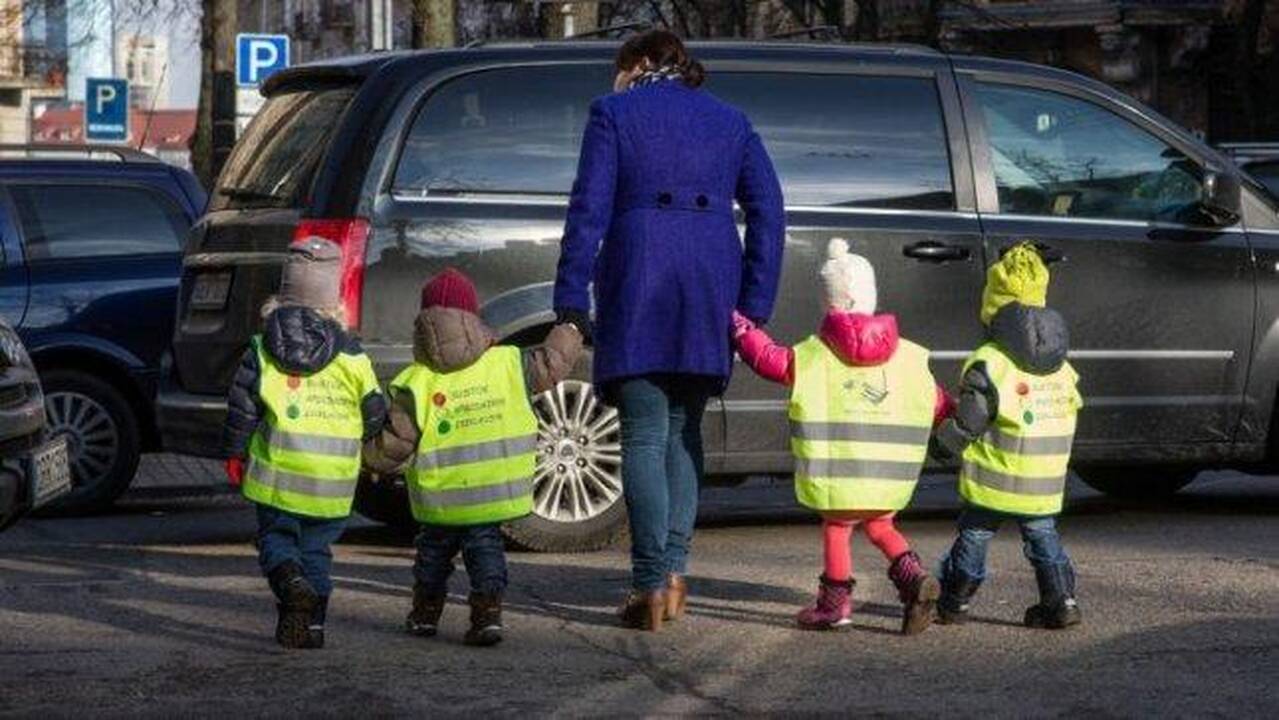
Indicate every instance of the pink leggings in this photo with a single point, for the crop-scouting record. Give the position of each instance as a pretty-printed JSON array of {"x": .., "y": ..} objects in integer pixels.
[{"x": 837, "y": 541}]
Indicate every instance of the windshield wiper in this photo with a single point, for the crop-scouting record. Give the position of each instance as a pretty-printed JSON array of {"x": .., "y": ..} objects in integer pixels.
[{"x": 238, "y": 193}]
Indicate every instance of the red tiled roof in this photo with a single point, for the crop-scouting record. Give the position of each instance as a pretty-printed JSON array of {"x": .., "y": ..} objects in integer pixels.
[{"x": 168, "y": 129}]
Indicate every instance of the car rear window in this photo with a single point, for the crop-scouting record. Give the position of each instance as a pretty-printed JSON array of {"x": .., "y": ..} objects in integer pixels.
[{"x": 273, "y": 164}]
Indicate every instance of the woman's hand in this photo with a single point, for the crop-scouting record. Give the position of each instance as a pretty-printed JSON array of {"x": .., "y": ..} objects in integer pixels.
[{"x": 741, "y": 325}]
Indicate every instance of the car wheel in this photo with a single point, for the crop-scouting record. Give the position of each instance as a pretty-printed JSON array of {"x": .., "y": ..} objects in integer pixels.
[
  {"x": 577, "y": 487},
  {"x": 102, "y": 435},
  {"x": 1138, "y": 483}
]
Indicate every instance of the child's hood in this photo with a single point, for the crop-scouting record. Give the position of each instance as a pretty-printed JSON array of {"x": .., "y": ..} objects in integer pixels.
[
  {"x": 857, "y": 339},
  {"x": 1035, "y": 338},
  {"x": 301, "y": 340},
  {"x": 447, "y": 339}
]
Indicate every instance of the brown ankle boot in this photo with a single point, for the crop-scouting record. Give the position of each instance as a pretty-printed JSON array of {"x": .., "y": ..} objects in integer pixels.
[
  {"x": 676, "y": 594},
  {"x": 643, "y": 610}
]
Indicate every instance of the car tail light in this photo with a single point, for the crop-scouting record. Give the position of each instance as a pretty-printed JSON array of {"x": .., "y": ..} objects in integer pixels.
[{"x": 352, "y": 235}]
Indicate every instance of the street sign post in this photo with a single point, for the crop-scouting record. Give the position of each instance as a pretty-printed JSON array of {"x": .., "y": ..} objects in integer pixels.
[
  {"x": 258, "y": 56},
  {"x": 106, "y": 110}
]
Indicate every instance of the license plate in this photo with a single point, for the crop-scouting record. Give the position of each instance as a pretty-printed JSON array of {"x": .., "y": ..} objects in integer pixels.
[
  {"x": 211, "y": 291},
  {"x": 49, "y": 469}
]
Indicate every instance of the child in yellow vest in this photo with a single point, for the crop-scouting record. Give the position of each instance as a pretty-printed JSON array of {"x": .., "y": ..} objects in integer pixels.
[
  {"x": 301, "y": 403},
  {"x": 1013, "y": 430},
  {"x": 863, "y": 403},
  {"x": 462, "y": 426}
]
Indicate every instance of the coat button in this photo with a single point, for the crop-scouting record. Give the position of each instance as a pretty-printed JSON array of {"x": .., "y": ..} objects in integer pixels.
[
  {"x": 664, "y": 199},
  {"x": 702, "y": 201}
]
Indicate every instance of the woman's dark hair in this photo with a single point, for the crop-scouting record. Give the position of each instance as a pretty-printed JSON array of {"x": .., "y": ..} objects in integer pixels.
[{"x": 661, "y": 48}]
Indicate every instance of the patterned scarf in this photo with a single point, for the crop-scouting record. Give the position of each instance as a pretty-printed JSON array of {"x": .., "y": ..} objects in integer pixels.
[{"x": 665, "y": 72}]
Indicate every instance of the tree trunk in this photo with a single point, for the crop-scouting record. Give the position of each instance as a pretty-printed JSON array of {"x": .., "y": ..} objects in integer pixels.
[
  {"x": 434, "y": 24},
  {"x": 215, "y": 116}
]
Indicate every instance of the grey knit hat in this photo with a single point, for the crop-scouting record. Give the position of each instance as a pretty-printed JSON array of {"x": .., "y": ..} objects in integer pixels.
[{"x": 312, "y": 275}]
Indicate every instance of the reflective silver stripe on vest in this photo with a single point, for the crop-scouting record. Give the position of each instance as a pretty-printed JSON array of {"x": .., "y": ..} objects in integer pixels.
[
  {"x": 1011, "y": 483},
  {"x": 313, "y": 444},
  {"x": 859, "y": 432},
  {"x": 491, "y": 450},
  {"x": 461, "y": 497},
  {"x": 301, "y": 484},
  {"x": 849, "y": 468},
  {"x": 1054, "y": 445}
]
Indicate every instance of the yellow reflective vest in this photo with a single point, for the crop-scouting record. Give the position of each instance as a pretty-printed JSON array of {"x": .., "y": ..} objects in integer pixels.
[
  {"x": 478, "y": 449},
  {"x": 1019, "y": 465},
  {"x": 305, "y": 457},
  {"x": 859, "y": 434}
]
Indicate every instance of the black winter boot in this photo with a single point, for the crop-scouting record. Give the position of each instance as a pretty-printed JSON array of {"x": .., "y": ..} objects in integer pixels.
[
  {"x": 424, "y": 618},
  {"x": 298, "y": 601},
  {"x": 957, "y": 591},
  {"x": 1057, "y": 608},
  {"x": 486, "y": 620},
  {"x": 315, "y": 628}
]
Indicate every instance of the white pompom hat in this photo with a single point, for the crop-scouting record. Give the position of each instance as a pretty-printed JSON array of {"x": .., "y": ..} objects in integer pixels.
[{"x": 849, "y": 280}]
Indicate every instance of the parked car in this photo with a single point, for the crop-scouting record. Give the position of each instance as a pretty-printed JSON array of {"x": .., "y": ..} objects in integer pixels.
[
  {"x": 33, "y": 467},
  {"x": 1259, "y": 159},
  {"x": 929, "y": 164},
  {"x": 90, "y": 255}
]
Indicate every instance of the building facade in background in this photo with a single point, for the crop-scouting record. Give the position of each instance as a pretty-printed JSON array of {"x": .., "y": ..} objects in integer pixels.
[{"x": 144, "y": 61}]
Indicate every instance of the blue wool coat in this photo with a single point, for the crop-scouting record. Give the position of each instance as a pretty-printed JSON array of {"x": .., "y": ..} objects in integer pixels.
[{"x": 650, "y": 223}]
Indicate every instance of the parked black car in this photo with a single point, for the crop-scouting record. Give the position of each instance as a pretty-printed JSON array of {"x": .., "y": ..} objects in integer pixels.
[
  {"x": 33, "y": 467},
  {"x": 90, "y": 254},
  {"x": 930, "y": 164},
  {"x": 1259, "y": 159}
]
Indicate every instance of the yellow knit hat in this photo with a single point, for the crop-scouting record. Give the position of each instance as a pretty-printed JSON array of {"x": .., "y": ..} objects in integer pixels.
[{"x": 1020, "y": 276}]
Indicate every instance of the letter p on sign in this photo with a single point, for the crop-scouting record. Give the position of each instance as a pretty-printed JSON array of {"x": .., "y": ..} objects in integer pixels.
[{"x": 257, "y": 57}]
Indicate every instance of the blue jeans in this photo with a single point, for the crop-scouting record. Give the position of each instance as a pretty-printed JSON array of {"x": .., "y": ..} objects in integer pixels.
[
  {"x": 965, "y": 564},
  {"x": 661, "y": 417},
  {"x": 483, "y": 553},
  {"x": 283, "y": 536}
]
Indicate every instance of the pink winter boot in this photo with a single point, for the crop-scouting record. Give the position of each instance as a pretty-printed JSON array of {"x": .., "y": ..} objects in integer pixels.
[
  {"x": 918, "y": 592},
  {"x": 832, "y": 608}
]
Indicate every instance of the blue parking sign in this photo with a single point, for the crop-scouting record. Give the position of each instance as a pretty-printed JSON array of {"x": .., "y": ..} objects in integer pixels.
[
  {"x": 258, "y": 56},
  {"x": 106, "y": 110}
]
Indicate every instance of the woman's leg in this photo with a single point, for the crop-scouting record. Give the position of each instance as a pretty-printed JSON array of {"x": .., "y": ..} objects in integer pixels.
[
  {"x": 643, "y": 409},
  {"x": 684, "y": 467}
]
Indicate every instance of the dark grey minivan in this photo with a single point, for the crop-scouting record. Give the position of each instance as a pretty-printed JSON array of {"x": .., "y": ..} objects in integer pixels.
[{"x": 1166, "y": 258}]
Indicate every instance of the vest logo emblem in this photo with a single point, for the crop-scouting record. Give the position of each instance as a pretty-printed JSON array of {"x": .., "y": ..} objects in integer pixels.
[
  {"x": 293, "y": 411},
  {"x": 870, "y": 393},
  {"x": 444, "y": 428},
  {"x": 439, "y": 399},
  {"x": 294, "y": 382}
]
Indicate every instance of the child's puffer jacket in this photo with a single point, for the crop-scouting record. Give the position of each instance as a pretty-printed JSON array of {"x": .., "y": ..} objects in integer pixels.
[
  {"x": 447, "y": 339},
  {"x": 1035, "y": 338},
  {"x": 303, "y": 342}
]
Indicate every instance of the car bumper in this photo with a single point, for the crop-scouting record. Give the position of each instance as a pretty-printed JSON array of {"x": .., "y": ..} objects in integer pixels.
[
  {"x": 14, "y": 502},
  {"x": 190, "y": 424}
]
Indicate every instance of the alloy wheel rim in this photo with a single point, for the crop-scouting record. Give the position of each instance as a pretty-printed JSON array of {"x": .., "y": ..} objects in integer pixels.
[
  {"x": 93, "y": 441},
  {"x": 579, "y": 454}
]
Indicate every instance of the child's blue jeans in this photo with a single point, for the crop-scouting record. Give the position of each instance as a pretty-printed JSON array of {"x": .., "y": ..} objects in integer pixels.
[
  {"x": 284, "y": 536},
  {"x": 483, "y": 552},
  {"x": 966, "y": 560}
]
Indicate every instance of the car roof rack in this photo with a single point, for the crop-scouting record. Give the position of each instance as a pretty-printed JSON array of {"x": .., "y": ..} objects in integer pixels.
[
  {"x": 612, "y": 31},
  {"x": 55, "y": 151}
]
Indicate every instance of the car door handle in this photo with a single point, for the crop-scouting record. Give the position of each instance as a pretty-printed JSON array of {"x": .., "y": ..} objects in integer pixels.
[{"x": 932, "y": 251}]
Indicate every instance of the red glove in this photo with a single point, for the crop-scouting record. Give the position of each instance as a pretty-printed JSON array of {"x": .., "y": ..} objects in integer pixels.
[{"x": 234, "y": 471}]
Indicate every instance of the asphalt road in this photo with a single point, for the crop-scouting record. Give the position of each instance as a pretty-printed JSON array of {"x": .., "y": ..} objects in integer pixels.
[{"x": 157, "y": 609}]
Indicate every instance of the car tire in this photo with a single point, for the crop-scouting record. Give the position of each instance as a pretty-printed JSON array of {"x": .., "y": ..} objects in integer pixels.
[
  {"x": 1138, "y": 483},
  {"x": 103, "y": 439}
]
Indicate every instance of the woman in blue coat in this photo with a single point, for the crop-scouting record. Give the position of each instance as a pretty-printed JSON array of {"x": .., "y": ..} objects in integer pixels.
[{"x": 650, "y": 224}]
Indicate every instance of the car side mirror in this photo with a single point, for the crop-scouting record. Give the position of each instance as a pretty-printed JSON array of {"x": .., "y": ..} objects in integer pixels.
[{"x": 1219, "y": 203}]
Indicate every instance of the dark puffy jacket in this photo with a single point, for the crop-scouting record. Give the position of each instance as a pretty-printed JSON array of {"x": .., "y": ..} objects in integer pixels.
[
  {"x": 1036, "y": 339},
  {"x": 302, "y": 342},
  {"x": 447, "y": 339}
]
